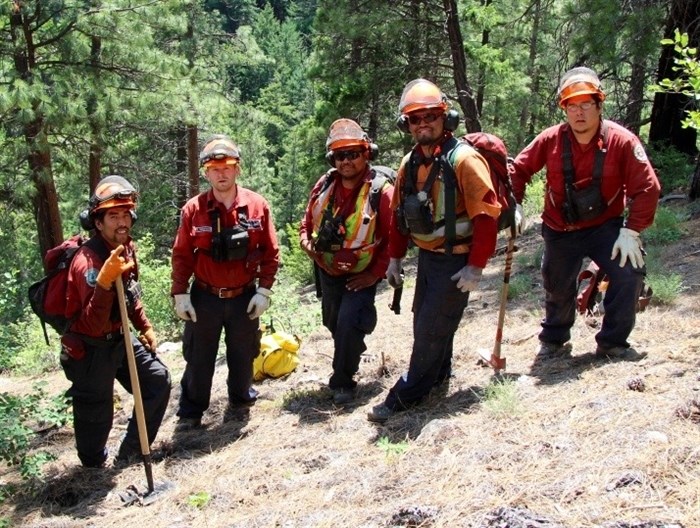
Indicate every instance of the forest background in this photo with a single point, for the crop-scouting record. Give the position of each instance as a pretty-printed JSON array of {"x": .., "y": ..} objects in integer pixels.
[{"x": 91, "y": 88}]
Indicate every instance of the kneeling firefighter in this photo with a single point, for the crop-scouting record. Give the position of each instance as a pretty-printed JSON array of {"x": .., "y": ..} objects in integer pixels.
[{"x": 93, "y": 351}]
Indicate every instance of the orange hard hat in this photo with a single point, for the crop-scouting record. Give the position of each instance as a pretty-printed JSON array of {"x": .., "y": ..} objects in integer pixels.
[
  {"x": 221, "y": 149},
  {"x": 421, "y": 94},
  {"x": 113, "y": 191},
  {"x": 579, "y": 81},
  {"x": 345, "y": 133}
]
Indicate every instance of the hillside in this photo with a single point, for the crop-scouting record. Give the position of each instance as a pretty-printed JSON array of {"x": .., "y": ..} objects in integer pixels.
[{"x": 584, "y": 442}]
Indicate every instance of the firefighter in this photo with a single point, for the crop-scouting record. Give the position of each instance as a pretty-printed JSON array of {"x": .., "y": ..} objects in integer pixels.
[
  {"x": 345, "y": 231},
  {"x": 227, "y": 245}
]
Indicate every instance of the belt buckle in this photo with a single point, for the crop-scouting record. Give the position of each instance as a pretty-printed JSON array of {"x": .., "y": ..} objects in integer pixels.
[{"x": 222, "y": 291}]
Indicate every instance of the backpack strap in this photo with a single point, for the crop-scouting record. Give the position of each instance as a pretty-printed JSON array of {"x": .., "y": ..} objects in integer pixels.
[
  {"x": 379, "y": 179},
  {"x": 449, "y": 176}
]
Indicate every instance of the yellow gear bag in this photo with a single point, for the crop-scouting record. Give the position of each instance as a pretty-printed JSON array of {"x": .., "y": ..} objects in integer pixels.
[{"x": 278, "y": 355}]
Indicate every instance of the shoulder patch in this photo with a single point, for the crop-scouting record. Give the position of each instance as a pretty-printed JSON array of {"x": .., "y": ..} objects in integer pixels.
[
  {"x": 639, "y": 152},
  {"x": 91, "y": 277}
]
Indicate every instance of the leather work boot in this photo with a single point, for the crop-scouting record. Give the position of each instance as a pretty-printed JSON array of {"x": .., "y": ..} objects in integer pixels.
[
  {"x": 627, "y": 353},
  {"x": 553, "y": 350},
  {"x": 343, "y": 396},
  {"x": 187, "y": 424},
  {"x": 379, "y": 413}
]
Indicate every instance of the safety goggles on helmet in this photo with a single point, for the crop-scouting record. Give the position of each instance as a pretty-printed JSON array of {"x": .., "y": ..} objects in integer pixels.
[
  {"x": 113, "y": 191},
  {"x": 219, "y": 148},
  {"x": 220, "y": 160}
]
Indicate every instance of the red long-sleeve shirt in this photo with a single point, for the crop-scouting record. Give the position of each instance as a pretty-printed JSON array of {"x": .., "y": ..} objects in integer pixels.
[
  {"x": 191, "y": 250},
  {"x": 628, "y": 177},
  {"x": 98, "y": 307}
]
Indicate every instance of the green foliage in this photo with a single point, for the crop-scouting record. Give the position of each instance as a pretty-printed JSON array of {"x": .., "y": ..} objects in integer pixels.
[
  {"x": 666, "y": 286},
  {"x": 21, "y": 417},
  {"x": 297, "y": 264},
  {"x": 291, "y": 309},
  {"x": 533, "y": 201},
  {"x": 688, "y": 81},
  {"x": 199, "y": 500},
  {"x": 666, "y": 227},
  {"x": 392, "y": 449},
  {"x": 519, "y": 286},
  {"x": 501, "y": 398},
  {"x": 154, "y": 276},
  {"x": 672, "y": 167}
]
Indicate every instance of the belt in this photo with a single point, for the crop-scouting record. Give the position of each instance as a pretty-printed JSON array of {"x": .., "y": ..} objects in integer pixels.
[{"x": 222, "y": 293}]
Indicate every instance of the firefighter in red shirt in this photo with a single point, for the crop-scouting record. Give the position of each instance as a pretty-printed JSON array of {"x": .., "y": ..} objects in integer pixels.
[
  {"x": 226, "y": 243},
  {"x": 595, "y": 169},
  {"x": 447, "y": 269},
  {"x": 345, "y": 230},
  {"x": 93, "y": 353}
]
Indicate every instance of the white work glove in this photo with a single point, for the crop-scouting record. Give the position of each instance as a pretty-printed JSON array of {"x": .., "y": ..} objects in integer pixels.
[
  {"x": 393, "y": 273},
  {"x": 629, "y": 246},
  {"x": 519, "y": 219},
  {"x": 468, "y": 278},
  {"x": 184, "y": 308},
  {"x": 259, "y": 303}
]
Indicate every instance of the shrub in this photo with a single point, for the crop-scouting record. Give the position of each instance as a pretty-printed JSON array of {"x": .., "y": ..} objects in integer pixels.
[
  {"x": 21, "y": 417},
  {"x": 673, "y": 168},
  {"x": 666, "y": 227},
  {"x": 666, "y": 286}
]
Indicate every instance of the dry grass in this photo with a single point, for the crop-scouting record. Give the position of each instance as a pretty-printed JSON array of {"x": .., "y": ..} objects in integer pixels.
[{"x": 592, "y": 444}]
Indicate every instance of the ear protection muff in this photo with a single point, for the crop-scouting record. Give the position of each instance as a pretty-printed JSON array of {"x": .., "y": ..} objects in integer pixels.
[
  {"x": 402, "y": 124},
  {"x": 330, "y": 158},
  {"x": 373, "y": 151},
  {"x": 451, "y": 120},
  {"x": 86, "y": 220}
]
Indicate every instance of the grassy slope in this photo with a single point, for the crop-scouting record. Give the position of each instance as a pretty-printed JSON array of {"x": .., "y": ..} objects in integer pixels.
[{"x": 576, "y": 448}]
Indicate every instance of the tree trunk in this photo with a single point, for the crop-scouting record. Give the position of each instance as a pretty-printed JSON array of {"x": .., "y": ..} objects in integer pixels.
[
  {"x": 528, "y": 116},
  {"x": 464, "y": 92},
  {"x": 670, "y": 109},
  {"x": 96, "y": 144},
  {"x": 45, "y": 201},
  {"x": 635, "y": 96},
  {"x": 193, "y": 159}
]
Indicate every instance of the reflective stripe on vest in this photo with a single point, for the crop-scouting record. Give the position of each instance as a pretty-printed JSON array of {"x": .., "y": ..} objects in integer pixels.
[{"x": 360, "y": 226}]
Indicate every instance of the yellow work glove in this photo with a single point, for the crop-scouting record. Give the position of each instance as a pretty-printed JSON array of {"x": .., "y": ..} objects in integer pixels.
[
  {"x": 113, "y": 267},
  {"x": 148, "y": 339}
]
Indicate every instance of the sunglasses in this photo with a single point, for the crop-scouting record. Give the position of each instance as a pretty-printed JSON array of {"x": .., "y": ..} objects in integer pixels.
[
  {"x": 427, "y": 118},
  {"x": 343, "y": 155}
]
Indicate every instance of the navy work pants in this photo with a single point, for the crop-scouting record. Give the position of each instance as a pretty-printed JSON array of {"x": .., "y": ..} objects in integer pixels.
[
  {"x": 92, "y": 391},
  {"x": 200, "y": 346},
  {"x": 350, "y": 316},
  {"x": 561, "y": 263},
  {"x": 438, "y": 306}
]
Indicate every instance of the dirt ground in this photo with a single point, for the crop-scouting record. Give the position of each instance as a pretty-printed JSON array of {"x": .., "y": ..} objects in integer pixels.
[{"x": 583, "y": 442}]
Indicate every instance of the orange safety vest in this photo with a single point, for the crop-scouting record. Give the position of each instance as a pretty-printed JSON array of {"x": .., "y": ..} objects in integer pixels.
[{"x": 360, "y": 225}]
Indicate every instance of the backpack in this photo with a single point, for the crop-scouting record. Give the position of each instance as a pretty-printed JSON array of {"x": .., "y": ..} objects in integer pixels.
[
  {"x": 278, "y": 355},
  {"x": 47, "y": 296},
  {"x": 591, "y": 287},
  {"x": 494, "y": 151}
]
